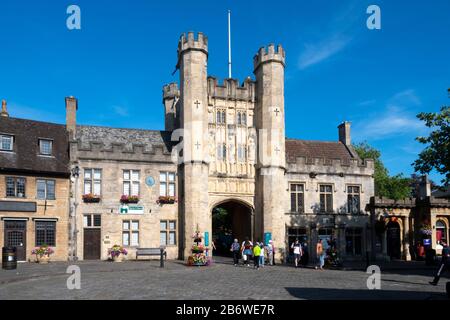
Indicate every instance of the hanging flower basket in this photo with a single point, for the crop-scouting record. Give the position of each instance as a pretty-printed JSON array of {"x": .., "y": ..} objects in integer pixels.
[
  {"x": 91, "y": 198},
  {"x": 166, "y": 200},
  {"x": 129, "y": 199}
]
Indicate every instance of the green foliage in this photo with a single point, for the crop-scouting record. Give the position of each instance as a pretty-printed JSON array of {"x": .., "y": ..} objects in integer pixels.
[
  {"x": 436, "y": 155},
  {"x": 393, "y": 187}
]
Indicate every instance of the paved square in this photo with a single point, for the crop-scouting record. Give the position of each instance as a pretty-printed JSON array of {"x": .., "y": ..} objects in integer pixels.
[{"x": 145, "y": 280}]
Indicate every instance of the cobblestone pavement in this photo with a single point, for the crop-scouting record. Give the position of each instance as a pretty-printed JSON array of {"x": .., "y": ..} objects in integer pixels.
[{"x": 145, "y": 280}]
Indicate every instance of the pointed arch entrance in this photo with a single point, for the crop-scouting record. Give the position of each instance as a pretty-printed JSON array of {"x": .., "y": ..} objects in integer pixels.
[{"x": 231, "y": 219}]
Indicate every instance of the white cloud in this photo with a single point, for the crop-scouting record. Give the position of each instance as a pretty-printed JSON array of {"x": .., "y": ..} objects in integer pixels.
[
  {"x": 394, "y": 120},
  {"x": 319, "y": 52},
  {"x": 121, "y": 111}
]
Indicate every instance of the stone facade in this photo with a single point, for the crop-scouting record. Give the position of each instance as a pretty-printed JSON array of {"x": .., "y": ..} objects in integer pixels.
[{"x": 46, "y": 210}]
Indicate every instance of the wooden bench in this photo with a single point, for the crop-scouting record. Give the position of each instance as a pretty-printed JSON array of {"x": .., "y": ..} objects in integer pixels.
[{"x": 161, "y": 252}]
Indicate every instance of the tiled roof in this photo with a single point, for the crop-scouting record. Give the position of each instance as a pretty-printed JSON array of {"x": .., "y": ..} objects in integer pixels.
[
  {"x": 25, "y": 156},
  {"x": 109, "y": 136},
  {"x": 316, "y": 149}
]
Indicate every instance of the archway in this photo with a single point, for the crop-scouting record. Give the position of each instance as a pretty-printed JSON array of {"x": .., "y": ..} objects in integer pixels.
[
  {"x": 393, "y": 240},
  {"x": 230, "y": 220}
]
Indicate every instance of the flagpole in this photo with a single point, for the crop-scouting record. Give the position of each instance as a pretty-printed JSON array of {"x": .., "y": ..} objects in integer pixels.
[{"x": 229, "y": 43}]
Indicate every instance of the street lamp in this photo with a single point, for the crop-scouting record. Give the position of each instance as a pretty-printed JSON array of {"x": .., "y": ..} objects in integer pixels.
[{"x": 76, "y": 174}]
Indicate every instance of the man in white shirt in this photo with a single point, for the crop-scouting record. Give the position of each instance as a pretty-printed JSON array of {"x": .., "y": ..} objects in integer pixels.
[{"x": 297, "y": 251}]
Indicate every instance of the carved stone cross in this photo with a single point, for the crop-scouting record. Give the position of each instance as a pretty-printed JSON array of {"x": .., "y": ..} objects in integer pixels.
[
  {"x": 197, "y": 103},
  {"x": 198, "y": 145},
  {"x": 276, "y": 112}
]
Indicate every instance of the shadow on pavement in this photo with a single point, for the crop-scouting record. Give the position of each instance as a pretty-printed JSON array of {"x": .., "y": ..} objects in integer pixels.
[{"x": 355, "y": 294}]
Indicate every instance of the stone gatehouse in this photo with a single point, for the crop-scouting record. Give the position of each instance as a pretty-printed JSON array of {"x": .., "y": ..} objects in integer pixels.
[{"x": 224, "y": 146}]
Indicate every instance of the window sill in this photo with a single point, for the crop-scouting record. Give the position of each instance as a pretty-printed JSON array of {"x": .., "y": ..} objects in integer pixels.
[{"x": 46, "y": 156}]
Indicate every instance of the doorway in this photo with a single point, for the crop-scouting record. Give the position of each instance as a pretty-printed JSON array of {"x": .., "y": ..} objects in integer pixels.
[
  {"x": 393, "y": 240},
  {"x": 230, "y": 220},
  {"x": 92, "y": 237},
  {"x": 16, "y": 236}
]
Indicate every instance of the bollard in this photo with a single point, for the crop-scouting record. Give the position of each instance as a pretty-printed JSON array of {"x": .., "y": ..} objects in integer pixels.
[{"x": 161, "y": 258}]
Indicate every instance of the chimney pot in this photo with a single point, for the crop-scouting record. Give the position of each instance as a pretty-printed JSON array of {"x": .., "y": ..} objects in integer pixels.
[{"x": 4, "y": 112}]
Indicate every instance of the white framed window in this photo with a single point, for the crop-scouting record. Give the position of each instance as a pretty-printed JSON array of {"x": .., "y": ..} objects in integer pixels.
[
  {"x": 45, "y": 189},
  {"x": 92, "y": 221},
  {"x": 167, "y": 184},
  {"x": 168, "y": 233},
  {"x": 6, "y": 142},
  {"x": 353, "y": 199},
  {"x": 45, "y": 147},
  {"x": 93, "y": 181},
  {"x": 326, "y": 198},
  {"x": 130, "y": 233},
  {"x": 297, "y": 191},
  {"x": 221, "y": 151},
  {"x": 221, "y": 117},
  {"x": 131, "y": 182}
]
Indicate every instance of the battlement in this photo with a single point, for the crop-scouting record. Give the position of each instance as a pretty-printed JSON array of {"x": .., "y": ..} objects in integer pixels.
[
  {"x": 269, "y": 54},
  {"x": 199, "y": 43},
  {"x": 171, "y": 91},
  {"x": 335, "y": 166},
  {"x": 231, "y": 89}
]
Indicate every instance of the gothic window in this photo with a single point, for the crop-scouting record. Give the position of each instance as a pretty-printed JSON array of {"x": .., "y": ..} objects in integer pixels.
[
  {"x": 244, "y": 118},
  {"x": 239, "y": 118},
  {"x": 353, "y": 199},
  {"x": 297, "y": 198},
  {"x": 326, "y": 198},
  {"x": 224, "y": 155},
  {"x": 242, "y": 153}
]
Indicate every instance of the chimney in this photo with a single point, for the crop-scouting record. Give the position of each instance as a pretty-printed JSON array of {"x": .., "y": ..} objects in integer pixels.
[
  {"x": 424, "y": 187},
  {"x": 71, "y": 115},
  {"x": 344, "y": 133},
  {"x": 4, "y": 112}
]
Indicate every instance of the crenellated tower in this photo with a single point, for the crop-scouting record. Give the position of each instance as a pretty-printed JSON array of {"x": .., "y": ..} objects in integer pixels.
[
  {"x": 270, "y": 188},
  {"x": 194, "y": 167}
]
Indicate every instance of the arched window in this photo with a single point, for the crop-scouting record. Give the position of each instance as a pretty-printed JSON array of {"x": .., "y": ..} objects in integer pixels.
[
  {"x": 244, "y": 118},
  {"x": 224, "y": 118},
  {"x": 441, "y": 231},
  {"x": 224, "y": 156},
  {"x": 239, "y": 119},
  {"x": 218, "y": 117}
]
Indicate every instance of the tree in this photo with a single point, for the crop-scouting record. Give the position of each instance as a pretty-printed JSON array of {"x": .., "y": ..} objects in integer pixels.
[
  {"x": 393, "y": 187},
  {"x": 436, "y": 155}
]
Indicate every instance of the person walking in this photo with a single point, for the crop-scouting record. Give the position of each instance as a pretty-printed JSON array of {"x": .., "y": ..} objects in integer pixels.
[
  {"x": 445, "y": 264},
  {"x": 269, "y": 249},
  {"x": 320, "y": 254},
  {"x": 273, "y": 252},
  {"x": 235, "y": 249},
  {"x": 247, "y": 247},
  {"x": 297, "y": 252},
  {"x": 262, "y": 255},
  {"x": 305, "y": 255},
  {"x": 256, "y": 255}
]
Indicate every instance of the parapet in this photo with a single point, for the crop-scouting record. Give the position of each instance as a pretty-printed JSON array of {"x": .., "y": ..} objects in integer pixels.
[
  {"x": 331, "y": 166},
  {"x": 231, "y": 90},
  {"x": 269, "y": 54},
  {"x": 191, "y": 43},
  {"x": 171, "y": 91}
]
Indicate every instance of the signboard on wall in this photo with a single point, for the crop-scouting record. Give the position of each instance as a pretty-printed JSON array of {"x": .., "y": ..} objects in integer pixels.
[
  {"x": 267, "y": 237},
  {"x": 131, "y": 209}
]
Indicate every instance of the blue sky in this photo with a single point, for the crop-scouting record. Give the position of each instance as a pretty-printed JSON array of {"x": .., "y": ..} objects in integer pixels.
[{"x": 337, "y": 69}]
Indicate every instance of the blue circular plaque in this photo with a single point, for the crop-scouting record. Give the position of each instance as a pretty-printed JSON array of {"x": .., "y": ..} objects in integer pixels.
[{"x": 150, "y": 181}]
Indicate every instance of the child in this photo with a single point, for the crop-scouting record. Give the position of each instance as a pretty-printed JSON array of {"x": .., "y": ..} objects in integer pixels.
[{"x": 256, "y": 254}]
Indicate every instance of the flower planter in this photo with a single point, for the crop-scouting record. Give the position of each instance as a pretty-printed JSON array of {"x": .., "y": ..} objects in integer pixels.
[
  {"x": 197, "y": 251},
  {"x": 91, "y": 200},
  {"x": 42, "y": 259},
  {"x": 118, "y": 258}
]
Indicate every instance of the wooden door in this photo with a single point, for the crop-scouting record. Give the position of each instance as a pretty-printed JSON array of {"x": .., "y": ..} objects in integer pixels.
[
  {"x": 91, "y": 244},
  {"x": 16, "y": 236}
]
